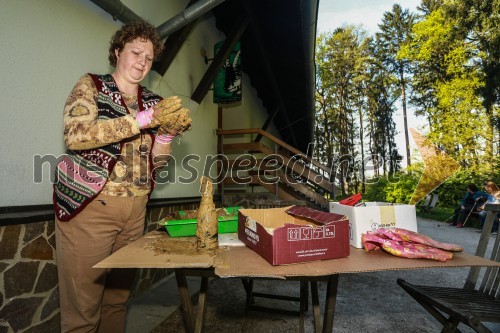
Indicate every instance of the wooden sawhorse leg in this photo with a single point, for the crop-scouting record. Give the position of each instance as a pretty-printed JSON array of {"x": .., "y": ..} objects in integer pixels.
[
  {"x": 202, "y": 301},
  {"x": 331, "y": 299},
  {"x": 315, "y": 306},
  {"x": 186, "y": 304},
  {"x": 304, "y": 298},
  {"x": 193, "y": 324}
]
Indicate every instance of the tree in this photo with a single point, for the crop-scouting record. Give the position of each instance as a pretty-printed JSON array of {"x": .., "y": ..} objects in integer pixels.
[
  {"x": 384, "y": 91},
  {"x": 339, "y": 64},
  {"x": 478, "y": 24},
  {"x": 428, "y": 6},
  {"x": 395, "y": 32},
  {"x": 445, "y": 84}
]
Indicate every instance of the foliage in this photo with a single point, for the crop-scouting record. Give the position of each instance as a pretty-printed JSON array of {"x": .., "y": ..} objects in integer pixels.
[
  {"x": 446, "y": 63},
  {"x": 454, "y": 189},
  {"x": 447, "y": 82},
  {"x": 355, "y": 98},
  {"x": 477, "y": 22},
  {"x": 438, "y": 214},
  {"x": 401, "y": 188},
  {"x": 339, "y": 61},
  {"x": 395, "y": 33}
]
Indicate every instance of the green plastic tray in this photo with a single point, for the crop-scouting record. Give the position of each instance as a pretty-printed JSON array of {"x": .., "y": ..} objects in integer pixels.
[{"x": 228, "y": 223}]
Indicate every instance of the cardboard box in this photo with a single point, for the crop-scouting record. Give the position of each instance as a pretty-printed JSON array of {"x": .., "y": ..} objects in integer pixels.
[
  {"x": 294, "y": 234},
  {"x": 375, "y": 215}
]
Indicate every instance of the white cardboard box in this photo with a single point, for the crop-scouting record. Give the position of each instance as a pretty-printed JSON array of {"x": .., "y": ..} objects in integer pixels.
[{"x": 375, "y": 215}]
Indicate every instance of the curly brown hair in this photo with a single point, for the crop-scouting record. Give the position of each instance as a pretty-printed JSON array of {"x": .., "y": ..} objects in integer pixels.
[
  {"x": 492, "y": 186},
  {"x": 130, "y": 32}
]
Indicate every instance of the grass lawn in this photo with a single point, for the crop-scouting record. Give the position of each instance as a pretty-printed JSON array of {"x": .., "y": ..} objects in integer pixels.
[{"x": 443, "y": 213}]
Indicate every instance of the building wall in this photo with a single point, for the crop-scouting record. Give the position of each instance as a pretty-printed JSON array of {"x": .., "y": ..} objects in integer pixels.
[
  {"x": 28, "y": 277},
  {"x": 47, "y": 45}
]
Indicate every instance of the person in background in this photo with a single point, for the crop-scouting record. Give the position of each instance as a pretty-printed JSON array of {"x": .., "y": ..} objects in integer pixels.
[
  {"x": 116, "y": 138},
  {"x": 472, "y": 200},
  {"x": 493, "y": 196}
]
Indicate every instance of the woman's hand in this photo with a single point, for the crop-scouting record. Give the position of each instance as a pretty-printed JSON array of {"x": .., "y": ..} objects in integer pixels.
[
  {"x": 163, "y": 109},
  {"x": 158, "y": 113},
  {"x": 176, "y": 123}
]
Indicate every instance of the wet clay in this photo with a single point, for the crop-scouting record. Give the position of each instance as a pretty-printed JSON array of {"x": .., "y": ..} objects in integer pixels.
[{"x": 207, "y": 224}]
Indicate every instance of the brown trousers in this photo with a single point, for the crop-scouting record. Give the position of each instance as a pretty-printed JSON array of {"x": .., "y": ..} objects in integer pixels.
[{"x": 91, "y": 299}]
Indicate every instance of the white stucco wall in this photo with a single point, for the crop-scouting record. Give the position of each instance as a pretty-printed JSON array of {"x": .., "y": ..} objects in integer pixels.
[{"x": 47, "y": 45}]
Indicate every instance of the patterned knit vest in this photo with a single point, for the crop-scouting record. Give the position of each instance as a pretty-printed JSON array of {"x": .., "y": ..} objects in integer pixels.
[{"x": 81, "y": 175}]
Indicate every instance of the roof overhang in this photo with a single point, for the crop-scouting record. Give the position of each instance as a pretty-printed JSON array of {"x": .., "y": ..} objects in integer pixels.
[{"x": 278, "y": 56}]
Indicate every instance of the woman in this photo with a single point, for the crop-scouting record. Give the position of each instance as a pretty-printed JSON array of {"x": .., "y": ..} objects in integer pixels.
[
  {"x": 493, "y": 196},
  {"x": 104, "y": 181},
  {"x": 470, "y": 202}
]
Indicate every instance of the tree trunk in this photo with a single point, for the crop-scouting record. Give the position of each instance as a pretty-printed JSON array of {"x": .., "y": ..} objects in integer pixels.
[{"x": 403, "y": 102}]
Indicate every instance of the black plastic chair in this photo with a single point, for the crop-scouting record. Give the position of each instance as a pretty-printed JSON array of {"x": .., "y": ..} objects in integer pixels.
[{"x": 473, "y": 304}]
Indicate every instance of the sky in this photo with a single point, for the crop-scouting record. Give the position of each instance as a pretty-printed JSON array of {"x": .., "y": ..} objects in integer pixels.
[
  {"x": 368, "y": 13},
  {"x": 335, "y": 13}
]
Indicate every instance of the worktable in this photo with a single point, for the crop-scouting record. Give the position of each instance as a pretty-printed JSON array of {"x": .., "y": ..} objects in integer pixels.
[{"x": 157, "y": 250}]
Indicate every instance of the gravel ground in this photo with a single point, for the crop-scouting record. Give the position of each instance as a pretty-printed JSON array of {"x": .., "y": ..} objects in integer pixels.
[{"x": 366, "y": 302}]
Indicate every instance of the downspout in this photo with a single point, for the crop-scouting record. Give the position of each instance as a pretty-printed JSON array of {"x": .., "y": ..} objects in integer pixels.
[
  {"x": 188, "y": 15},
  {"x": 121, "y": 12},
  {"x": 118, "y": 10}
]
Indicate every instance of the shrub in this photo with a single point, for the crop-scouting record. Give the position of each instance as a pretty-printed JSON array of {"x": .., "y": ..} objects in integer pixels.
[{"x": 400, "y": 189}]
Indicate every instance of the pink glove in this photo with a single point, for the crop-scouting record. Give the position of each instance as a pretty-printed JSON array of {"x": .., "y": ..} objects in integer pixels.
[
  {"x": 144, "y": 118},
  {"x": 164, "y": 138},
  {"x": 372, "y": 242}
]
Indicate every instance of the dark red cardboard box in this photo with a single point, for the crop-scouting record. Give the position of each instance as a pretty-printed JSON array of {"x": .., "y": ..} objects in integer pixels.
[{"x": 294, "y": 234}]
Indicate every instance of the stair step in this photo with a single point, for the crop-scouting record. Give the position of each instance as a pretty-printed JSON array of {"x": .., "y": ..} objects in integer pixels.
[{"x": 295, "y": 179}]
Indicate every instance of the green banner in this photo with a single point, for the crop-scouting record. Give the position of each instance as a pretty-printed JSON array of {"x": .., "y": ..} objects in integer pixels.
[{"x": 227, "y": 83}]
